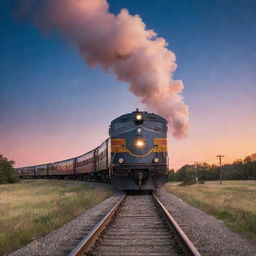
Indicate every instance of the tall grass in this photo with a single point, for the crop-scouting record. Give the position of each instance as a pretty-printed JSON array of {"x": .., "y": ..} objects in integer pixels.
[
  {"x": 234, "y": 202},
  {"x": 34, "y": 208}
]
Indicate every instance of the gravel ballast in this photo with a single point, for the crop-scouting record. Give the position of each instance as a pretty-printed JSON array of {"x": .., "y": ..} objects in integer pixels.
[
  {"x": 210, "y": 235},
  {"x": 62, "y": 240}
]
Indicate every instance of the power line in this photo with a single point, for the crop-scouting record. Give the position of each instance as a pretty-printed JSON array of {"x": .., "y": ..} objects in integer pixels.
[
  {"x": 220, "y": 156},
  {"x": 196, "y": 166}
]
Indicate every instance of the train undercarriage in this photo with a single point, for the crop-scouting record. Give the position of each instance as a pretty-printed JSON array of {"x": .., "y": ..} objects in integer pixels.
[
  {"x": 138, "y": 177},
  {"x": 99, "y": 176}
]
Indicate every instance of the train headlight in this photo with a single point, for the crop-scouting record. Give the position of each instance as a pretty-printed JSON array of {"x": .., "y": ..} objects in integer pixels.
[
  {"x": 139, "y": 130},
  {"x": 139, "y": 143},
  {"x": 120, "y": 160},
  {"x": 156, "y": 160},
  {"x": 138, "y": 117}
]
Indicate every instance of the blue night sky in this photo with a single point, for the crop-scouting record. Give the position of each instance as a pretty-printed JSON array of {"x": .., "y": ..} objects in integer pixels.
[{"x": 52, "y": 106}]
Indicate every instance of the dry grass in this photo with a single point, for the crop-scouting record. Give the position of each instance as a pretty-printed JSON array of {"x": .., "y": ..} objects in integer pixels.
[
  {"x": 33, "y": 208},
  {"x": 234, "y": 202}
]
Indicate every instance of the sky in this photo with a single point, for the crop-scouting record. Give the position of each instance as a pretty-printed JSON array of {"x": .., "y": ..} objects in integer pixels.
[{"x": 53, "y": 106}]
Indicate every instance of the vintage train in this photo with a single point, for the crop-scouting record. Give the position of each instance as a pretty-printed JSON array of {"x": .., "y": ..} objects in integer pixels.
[{"x": 134, "y": 157}]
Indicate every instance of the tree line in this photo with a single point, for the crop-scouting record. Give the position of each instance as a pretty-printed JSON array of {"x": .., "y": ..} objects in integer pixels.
[{"x": 241, "y": 169}]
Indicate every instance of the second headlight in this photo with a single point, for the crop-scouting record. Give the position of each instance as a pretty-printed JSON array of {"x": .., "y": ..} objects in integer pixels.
[
  {"x": 156, "y": 160},
  {"x": 120, "y": 160}
]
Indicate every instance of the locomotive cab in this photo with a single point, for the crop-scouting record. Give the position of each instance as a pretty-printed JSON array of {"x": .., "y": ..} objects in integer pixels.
[{"x": 139, "y": 158}]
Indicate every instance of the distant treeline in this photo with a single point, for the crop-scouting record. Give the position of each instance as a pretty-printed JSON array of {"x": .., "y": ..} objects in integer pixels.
[{"x": 239, "y": 170}]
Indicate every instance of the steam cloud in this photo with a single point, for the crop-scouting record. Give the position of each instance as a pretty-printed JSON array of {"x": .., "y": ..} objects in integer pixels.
[{"x": 121, "y": 44}]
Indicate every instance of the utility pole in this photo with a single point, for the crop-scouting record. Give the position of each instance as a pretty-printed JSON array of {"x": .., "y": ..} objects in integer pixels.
[
  {"x": 196, "y": 167},
  {"x": 220, "y": 156}
]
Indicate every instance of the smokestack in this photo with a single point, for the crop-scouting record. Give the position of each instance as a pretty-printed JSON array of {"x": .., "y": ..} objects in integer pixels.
[{"x": 120, "y": 44}]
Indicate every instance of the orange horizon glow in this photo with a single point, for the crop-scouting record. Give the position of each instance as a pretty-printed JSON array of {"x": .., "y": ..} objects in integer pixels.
[{"x": 37, "y": 152}]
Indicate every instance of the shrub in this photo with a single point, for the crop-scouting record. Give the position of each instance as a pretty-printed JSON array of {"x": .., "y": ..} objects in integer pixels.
[{"x": 188, "y": 182}]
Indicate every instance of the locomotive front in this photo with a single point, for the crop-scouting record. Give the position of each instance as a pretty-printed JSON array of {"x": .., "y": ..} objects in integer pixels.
[{"x": 139, "y": 158}]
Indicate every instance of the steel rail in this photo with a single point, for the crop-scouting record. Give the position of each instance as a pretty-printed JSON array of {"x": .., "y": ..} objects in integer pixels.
[
  {"x": 89, "y": 240},
  {"x": 187, "y": 245}
]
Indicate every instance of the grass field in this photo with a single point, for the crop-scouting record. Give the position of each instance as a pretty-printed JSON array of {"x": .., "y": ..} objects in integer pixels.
[
  {"x": 234, "y": 202},
  {"x": 33, "y": 208}
]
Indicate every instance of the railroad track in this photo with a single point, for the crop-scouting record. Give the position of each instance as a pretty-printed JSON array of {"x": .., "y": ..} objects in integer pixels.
[{"x": 137, "y": 225}]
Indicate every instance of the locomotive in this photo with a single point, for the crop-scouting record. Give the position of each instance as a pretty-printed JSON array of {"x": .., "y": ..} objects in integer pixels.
[{"x": 134, "y": 157}]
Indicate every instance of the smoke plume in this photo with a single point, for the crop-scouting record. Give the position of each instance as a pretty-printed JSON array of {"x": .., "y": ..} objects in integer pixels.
[{"x": 120, "y": 44}]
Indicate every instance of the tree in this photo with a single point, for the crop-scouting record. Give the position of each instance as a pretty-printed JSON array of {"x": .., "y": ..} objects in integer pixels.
[
  {"x": 181, "y": 173},
  {"x": 240, "y": 169},
  {"x": 171, "y": 175},
  {"x": 250, "y": 163},
  {"x": 7, "y": 171},
  {"x": 203, "y": 171}
]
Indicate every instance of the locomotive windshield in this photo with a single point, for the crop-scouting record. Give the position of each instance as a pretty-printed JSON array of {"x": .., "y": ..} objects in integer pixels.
[
  {"x": 123, "y": 124},
  {"x": 153, "y": 124},
  {"x": 150, "y": 123}
]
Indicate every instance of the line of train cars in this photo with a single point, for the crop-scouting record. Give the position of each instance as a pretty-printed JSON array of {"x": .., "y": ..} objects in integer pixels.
[{"x": 134, "y": 157}]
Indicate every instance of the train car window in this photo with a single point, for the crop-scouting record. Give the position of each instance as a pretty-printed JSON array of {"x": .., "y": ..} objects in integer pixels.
[
  {"x": 64, "y": 165},
  {"x": 40, "y": 169},
  {"x": 85, "y": 157},
  {"x": 85, "y": 160},
  {"x": 102, "y": 148}
]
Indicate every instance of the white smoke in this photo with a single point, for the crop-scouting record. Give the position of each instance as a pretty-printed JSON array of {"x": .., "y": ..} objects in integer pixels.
[{"x": 121, "y": 44}]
